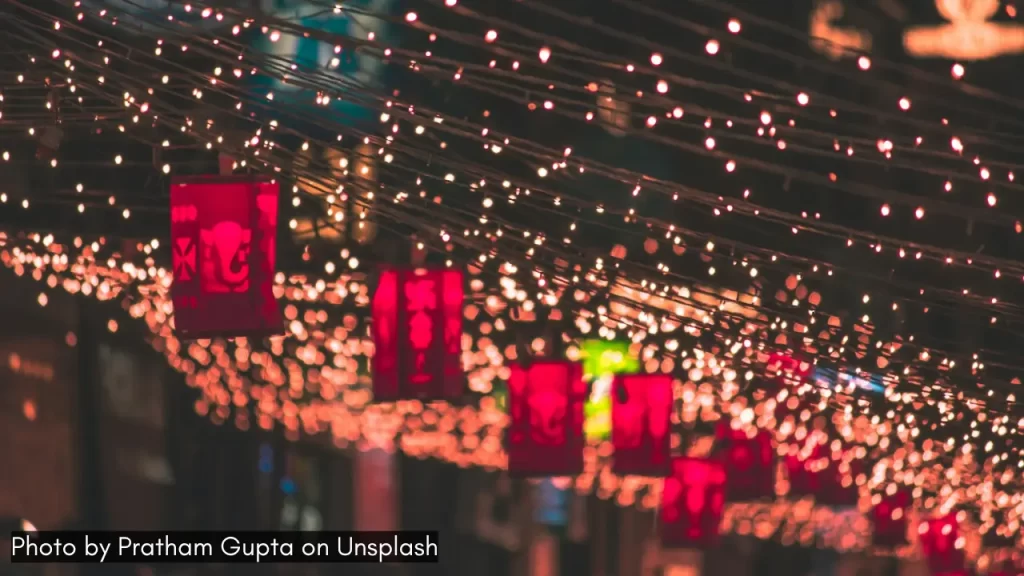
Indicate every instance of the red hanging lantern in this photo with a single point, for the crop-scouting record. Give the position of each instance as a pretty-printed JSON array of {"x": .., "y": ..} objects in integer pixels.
[
  {"x": 545, "y": 432},
  {"x": 786, "y": 364},
  {"x": 840, "y": 482},
  {"x": 782, "y": 371},
  {"x": 417, "y": 335},
  {"x": 803, "y": 469},
  {"x": 817, "y": 472},
  {"x": 692, "y": 503},
  {"x": 223, "y": 250},
  {"x": 641, "y": 417},
  {"x": 939, "y": 542},
  {"x": 749, "y": 463},
  {"x": 889, "y": 519}
]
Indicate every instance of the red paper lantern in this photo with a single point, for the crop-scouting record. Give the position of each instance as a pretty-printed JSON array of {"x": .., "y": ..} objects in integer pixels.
[
  {"x": 749, "y": 463},
  {"x": 889, "y": 519},
  {"x": 832, "y": 482},
  {"x": 545, "y": 432},
  {"x": 939, "y": 543},
  {"x": 641, "y": 417},
  {"x": 417, "y": 335},
  {"x": 804, "y": 471},
  {"x": 787, "y": 364},
  {"x": 223, "y": 250},
  {"x": 692, "y": 503},
  {"x": 840, "y": 483}
]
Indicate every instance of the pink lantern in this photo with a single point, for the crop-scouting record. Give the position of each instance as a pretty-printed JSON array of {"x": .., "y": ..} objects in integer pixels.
[
  {"x": 939, "y": 543},
  {"x": 787, "y": 364},
  {"x": 417, "y": 335},
  {"x": 749, "y": 463},
  {"x": 830, "y": 480},
  {"x": 692, "y": 503},
  {"x": 889, "y": 519},
  {"x": 804, "y": 472},
  {"x": 223, "y": 250},
  {"x": 545, "y": 433},
  {"x": 641, "y": 417},
  {"x": 839, "y": 484}
]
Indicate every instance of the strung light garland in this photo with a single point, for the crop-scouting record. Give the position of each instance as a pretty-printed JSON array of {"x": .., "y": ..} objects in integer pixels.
[{"x": 326, "y": 360}]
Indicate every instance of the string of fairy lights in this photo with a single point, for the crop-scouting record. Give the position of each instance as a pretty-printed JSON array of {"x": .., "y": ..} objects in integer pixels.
[{"x": 445, "y": 177}]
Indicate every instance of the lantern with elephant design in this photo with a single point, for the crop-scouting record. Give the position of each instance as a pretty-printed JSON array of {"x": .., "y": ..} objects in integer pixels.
[
  {"x": 223, "y": 251},
  {"x": 545, "y": 432},
  {"x": 641, "y": 418}
]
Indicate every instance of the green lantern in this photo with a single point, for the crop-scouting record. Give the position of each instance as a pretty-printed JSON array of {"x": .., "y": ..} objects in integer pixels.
[{"x": 602, "y": 360}]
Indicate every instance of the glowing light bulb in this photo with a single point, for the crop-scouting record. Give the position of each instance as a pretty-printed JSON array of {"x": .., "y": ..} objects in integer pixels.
[
  {"x": 544, "y": 54},
  {"x": 864, "y": 63},
  {"x": 734, "y": 26},
  {"x": 803, "y": 99},
  {"x": 712, "y": 47},
  {"x": 885, "y": 209},
  {"x": 919, "y": 213}
]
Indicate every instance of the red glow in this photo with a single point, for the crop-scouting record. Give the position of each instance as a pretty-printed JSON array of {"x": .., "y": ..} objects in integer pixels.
[
  {"x": 889, "y": 519},
  {"x": 749, "y": 463},
  {"x": 829, "y": 481},
  {"x": 545, "y": 433},
  {"x": 223, "y": 240},
  {"x": 938, "y": 542},
  {"x": 417, "y": 335},
  {"x": 785, "y": 363},
  {"x": 692, "y": 502},
  {"x": 641, "y": 415}
]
